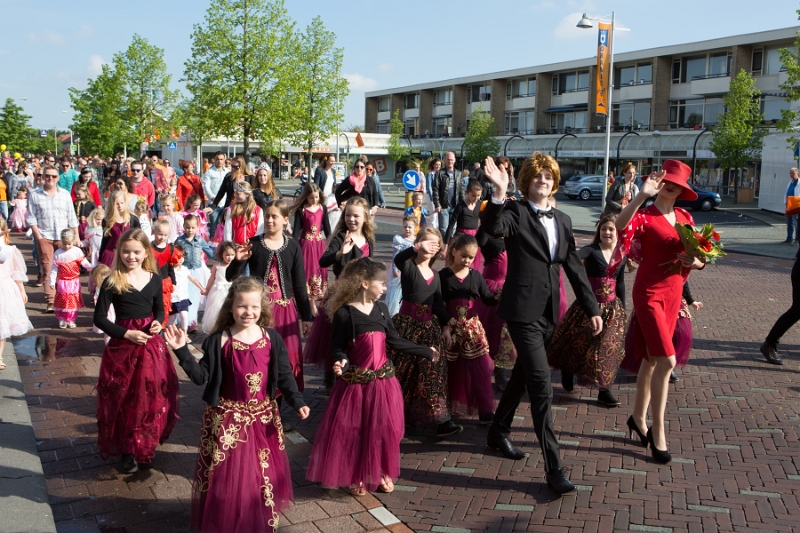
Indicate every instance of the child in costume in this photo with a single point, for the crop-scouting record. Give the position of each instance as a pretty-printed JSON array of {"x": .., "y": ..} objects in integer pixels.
[
  {"x": 394, "y": 293},
  {"x": 65, "y": 276}
]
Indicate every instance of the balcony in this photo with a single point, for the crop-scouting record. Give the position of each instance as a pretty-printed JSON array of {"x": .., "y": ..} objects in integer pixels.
[
  {"x": 711, "y": 84},
  {"x": 442, "y": 110},
  {"x": 570, "y": 98},
  {"x": 526, "y": 102},
  {"x": 642, "y": 91},
  {"x": 384, "y": 116},
  {"x": 410, "y": 113}
]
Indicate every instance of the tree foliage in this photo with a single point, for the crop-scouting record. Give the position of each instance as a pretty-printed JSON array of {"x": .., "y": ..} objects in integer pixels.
[
  {"x": 790, "y": 118},
  {"x": 737, "y": 136},
  {"x": 147, "y": 101},
  {"x": 99, "y": 121},
  {"x": 480, "y": 140},
  {"x": 320, "y": 88},
  {"x": 243, "y": 70},
  {"x": 398, "y": 149}
]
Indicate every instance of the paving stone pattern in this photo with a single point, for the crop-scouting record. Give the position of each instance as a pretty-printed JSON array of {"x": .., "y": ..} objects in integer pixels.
[{"x": 733, "y": 430}]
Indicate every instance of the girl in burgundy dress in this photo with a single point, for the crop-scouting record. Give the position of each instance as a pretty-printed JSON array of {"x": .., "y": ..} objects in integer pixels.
[
  {"x": 649, "y": 238},
  {"x": 137, "y": 389},
  {"x": 118, "y": 220},
  {"x": 311, "y": 228},
  {"x": 469, "y": 367},
  {"x": 277, "y": 260},
  {"x": 358, "y": 440},
  {"x": 353, "y": 238},
  {"x": 242, "y": 479}
]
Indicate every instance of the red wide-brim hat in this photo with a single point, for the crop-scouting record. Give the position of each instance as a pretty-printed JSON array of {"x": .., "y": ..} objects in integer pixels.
[{"x": 678, "y": 173}]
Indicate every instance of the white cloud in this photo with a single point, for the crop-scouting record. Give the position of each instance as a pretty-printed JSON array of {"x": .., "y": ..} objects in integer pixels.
[
  {"x": 567, "y": 28},
  {"x": 85, "y": 32},
  {"x": 96, "y": 63},
  {"x": 47, "y": 37},
  {"x": 360, "y": 83},
  {"x": 386, "y": 68},
  {"x": 544, "y": 4}
]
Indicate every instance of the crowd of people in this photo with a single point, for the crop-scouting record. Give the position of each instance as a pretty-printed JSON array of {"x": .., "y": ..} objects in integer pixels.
[{"x": 222, "y": 253}]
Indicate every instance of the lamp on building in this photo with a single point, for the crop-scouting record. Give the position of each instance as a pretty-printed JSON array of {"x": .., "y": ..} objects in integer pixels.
[
  {"x": 509, "y": 140},
  {"x": 586, "y": 22},
  {"x": 657, "y": 135},
  {"x": 619, "y": 144}
]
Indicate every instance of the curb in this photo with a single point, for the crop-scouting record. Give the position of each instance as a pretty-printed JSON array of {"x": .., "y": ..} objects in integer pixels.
[{"x": 24, "y": 502}]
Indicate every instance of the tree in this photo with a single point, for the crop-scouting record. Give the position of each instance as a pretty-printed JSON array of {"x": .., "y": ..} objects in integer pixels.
[
  {"x": 398, "y": 150},
  {"x": 790, "y": 118},
  {"x": 480, "y": 140},
  {"x": 98, "y": 120},
  {"x": 15, "y": 132},
  {"x": 146, "y": 98},
  {"x": 737, "y": 136},
  {"x": 320, "y": 88},
  {"x": 243, "y": 70}
]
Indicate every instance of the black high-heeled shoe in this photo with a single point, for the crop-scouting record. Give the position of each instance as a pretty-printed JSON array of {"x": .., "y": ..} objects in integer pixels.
[
  {"x": 660, "y": 456},
  {"x": 633, "y": 427}
]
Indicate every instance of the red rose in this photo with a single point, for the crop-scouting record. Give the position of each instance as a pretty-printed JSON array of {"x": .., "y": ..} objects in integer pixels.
[
  {"x": 715, "y": 235},
  {"x": 706, "y": 247}
]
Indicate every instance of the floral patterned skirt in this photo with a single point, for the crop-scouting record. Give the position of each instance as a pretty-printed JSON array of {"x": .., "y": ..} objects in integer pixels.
[{"x": 595, "y": 359}]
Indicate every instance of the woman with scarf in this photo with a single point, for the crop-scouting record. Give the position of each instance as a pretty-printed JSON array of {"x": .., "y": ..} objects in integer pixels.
[{"x": 358, "y": 184}]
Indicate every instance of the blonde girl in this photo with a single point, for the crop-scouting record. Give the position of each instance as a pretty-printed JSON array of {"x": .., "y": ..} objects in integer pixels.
[
  {"x": 243, "y": 367},
  {"x": 244, "y": 219},
  {"x": 174, "y": 219},
  {"x": 117, "y": 221},
  {"x": 13, "y": 317},
  {"x": 218, "y": 285},
  {"x": 65, "y": 278},
  {"x": 137, "y": 389},
  {"x": 311, "y": 229},
  {"x": 142, "y": 212},
  {"x": 18, "y": 218},
  {"x": 399, "y": 243}
]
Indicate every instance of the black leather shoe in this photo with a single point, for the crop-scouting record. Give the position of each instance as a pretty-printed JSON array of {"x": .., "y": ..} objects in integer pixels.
[
  {"x": 558, "y": 482},
  {"x": 445, "y": 429},
  {"x": 567, "y": 381},
  {"x": 771, "y": 354},
  {"x": 606, "y": 398},
  {"x": 504, "y": 446},
  {"x": 673, "y": 377}
]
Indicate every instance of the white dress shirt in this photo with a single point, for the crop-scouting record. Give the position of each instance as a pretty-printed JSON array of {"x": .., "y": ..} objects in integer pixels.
[
  {"x": 549, "y": 228},
  {"x": 212, "y": 180}
]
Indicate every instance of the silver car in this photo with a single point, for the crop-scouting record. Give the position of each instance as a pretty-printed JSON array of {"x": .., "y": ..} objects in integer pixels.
[{"x": 584, "y": 187}]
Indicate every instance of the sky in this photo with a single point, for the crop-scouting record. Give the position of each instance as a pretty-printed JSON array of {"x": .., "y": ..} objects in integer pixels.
[{"x": 50, "y": 46}]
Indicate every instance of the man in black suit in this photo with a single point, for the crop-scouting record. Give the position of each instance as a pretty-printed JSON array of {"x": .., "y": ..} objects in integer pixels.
[{"x": 539, "y": 242}]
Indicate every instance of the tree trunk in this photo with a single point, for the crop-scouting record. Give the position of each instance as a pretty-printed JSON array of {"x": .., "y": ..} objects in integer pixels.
[{"x": 736, "y": 186}]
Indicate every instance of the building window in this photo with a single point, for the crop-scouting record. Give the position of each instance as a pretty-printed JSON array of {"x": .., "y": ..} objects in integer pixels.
[
  {"x": 697, "y": 113},
  {"x": 443, "y": 97},
  {"x": 441, "y": 126},
  {"x": 631, "y": 116},
  {"x": 521, "y": 88},
  {"x": 411, "y": 101},
  {"x": 701, "y": 67},
  {"x": 570, "y": 82},
  {"x": 520, "y": 122},
  {"x": 383, "y": 104},
  {"x": 719, "y": 65},
  {"x": 568, "y": 122},
  {"x": 410, "y": 127},
  {"x": 479, "y": 93},
  {"x": 773, "y": 64},
  {"x": 757, "y": 63},
  {"x": 382, "y": 127},
  {"x": 633, "y": 75},
  {"x": 772, "y": 107}
]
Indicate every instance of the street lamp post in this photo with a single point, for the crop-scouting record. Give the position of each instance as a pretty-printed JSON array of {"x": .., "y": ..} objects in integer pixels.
[
  {"x": 657, "y": 135},
  {"x": 619, "y": 143},
  {"x": 694, "y": 153},
  {"x": 559, "y": 142},
  {"x": 515, "y": 136},
  {"x": 586, "y": 23}
]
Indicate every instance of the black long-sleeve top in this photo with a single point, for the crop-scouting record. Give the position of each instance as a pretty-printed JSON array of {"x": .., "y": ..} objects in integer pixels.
[
  {"x": 345, "y": 190},
  {"x": 490, "y": 246},
  {"x": 329, "y": 259},
  {"x": 415, "y": 287},
  {"x": 293, "y": 271},
  {"x": 464, "y": 218},
  {"x": 133, "y": 224},
  {"x": 471, "y": 287},
  {"x": 262, "y": 199},
  {"x": 687, "y": 293},
  {"x": 226, "y": 190},
  {"x": 596, "y": 265},
  {"x": 127, "y": 305},
  {"x": 208, "y": 371},
  {"x": 297, "y": 226},
  {"x": 349, "y": 322}
]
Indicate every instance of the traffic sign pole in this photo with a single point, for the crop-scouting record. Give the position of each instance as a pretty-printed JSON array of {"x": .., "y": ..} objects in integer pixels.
[{"x": 411, "y": 181}]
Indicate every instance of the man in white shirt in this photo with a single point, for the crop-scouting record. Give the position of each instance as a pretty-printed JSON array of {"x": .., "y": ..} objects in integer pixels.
[{"x": 212, "y": 181}]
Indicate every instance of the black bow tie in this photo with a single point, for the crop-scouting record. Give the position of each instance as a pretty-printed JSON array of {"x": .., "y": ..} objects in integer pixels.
[{"x": 549, "y": 213}]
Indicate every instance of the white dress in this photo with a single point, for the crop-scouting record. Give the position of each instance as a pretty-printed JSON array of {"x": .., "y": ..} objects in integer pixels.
[
  {"x": 394, "y": 292},
  {"x": 13, "y": 318},
  {"x": 216, "y": 295},
  {"x": 93, "y": 237}
]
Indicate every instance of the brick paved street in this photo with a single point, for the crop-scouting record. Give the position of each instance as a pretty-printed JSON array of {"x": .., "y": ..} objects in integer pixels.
[{"x": 733, "y": 432}]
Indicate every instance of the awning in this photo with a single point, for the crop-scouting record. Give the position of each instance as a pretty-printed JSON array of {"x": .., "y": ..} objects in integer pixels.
[{"x": 563, "y": 108}]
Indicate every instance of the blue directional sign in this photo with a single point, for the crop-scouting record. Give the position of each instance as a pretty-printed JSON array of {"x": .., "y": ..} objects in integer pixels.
[
  {"x": 411, "y": 179},
  {"x": 42, "y": 133},
  {"x": 172, "y": 146}
]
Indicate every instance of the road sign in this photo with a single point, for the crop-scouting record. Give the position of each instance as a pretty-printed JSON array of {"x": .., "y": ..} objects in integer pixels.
[
  {"x": 172, "y": 146},
  {"x": 73, "y": 149},
  {"x": 411, "y": 180},
  {"x": 42, "y": 133}
]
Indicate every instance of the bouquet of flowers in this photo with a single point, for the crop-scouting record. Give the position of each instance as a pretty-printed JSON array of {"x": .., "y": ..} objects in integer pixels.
[{"x": 699, "y": 241}]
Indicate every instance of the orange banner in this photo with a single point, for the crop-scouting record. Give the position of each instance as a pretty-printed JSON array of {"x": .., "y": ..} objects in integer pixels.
[{"x": 603, "y": 77}]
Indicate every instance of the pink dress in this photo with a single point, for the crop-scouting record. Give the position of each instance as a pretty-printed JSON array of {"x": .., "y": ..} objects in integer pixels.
[
  {"x": 107, "y": 255},
  {"x": 284, "y": 316},
  {"x": 67, "y": 272},
  {"x": 501, "y": 347},
  {"x": 17, "y": 220},
  {"x": 312, "y": 243},
  {"x": 242, "y": 480}
]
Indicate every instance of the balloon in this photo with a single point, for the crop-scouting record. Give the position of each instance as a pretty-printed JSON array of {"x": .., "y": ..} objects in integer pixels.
[
  {"x": 2, "y": 147},
  {"x": 17, "y": 155}
]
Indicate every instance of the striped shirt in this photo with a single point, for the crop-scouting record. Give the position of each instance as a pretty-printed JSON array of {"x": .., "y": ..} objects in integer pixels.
[{"x": 53, "y": 214}]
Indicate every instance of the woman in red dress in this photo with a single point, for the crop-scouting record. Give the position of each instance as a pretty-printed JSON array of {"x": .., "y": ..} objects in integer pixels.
[
  {"x": 649, "y": 238},
  {"x": 188, "y": 184}
]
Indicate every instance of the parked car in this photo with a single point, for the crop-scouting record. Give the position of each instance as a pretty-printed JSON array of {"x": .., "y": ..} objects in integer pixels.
[
  {"x": 706, "y": 200},
  {"x": 584, "y": 187}
]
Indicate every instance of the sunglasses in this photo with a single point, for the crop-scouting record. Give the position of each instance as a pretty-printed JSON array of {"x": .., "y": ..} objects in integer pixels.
[
  {"x": 370, "y": 169},
  {"x": 234, "y": 166},
  {"x": 51, "y": 176},
  {"x": 136, "y": 170},
  {"x": 359, "y": 166},
  {"x": 120, "y": 184}
]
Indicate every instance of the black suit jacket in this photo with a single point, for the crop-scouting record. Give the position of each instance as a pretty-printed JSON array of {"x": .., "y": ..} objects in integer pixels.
[
  {"x": 441, "y": 194},
  {"x": 321, "y": 177},
  {"x": 533, "y": 278}
]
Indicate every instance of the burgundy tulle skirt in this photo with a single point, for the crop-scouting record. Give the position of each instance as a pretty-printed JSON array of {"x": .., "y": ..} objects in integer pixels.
[
  {"x": 241, "y": 484},
  {"x": 318, "y": 344},
  {"x": 682, "y": 340},
  {"x": 501, "y": 349},
  {"x": 563, "y": 302},
  {"x": 469, "y": 383},
  {"x": 287, "y": 325},
  {"x": 316, "y": 276},
  {"x": 358, "y": 439},
  {"x": 137, "y": 395},
  {"x": 107, "y": 257}
]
